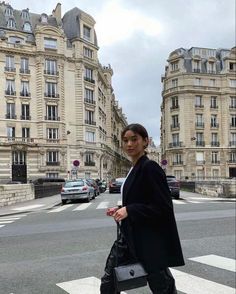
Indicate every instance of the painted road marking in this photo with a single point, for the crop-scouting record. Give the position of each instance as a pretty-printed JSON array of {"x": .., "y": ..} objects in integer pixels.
[
  {"x": 175, "y": 201},
  {"x": 82, "y": 206},
  {"x": 9, "y": 218},
  {"x": 6, "y": 222},
  {"x": 28, "y": 207},
  {"x": 2, "y": 226},
  {"x": 61, "y": 208},
  {"x": 190, "y": 284},
  {"x": 217, "y": 261},
  {"x": 90, "y": 285},
  {"x": 119, "y": 202},
  {"x": 103, "y": 205}
]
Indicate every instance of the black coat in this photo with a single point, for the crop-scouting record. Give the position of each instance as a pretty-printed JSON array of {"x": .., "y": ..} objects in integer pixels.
[{"x": 150, "y": 227}]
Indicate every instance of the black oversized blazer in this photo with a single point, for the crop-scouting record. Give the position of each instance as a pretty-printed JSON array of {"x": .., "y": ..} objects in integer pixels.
[{"x": 150, "y": 226}]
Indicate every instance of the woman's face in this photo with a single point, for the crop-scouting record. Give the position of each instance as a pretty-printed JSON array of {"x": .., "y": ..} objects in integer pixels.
[{"x": 134, "y": 144}]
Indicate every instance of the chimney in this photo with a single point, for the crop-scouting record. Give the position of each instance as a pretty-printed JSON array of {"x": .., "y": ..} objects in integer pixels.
[{"x": 57, "y": 13}]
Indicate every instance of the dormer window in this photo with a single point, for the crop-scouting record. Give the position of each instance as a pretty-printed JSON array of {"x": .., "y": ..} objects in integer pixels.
[
  {"x": 27, "y": 27},
  {"x": 9, "y": 11},
  {"x": 44, "y": 18},
  {"x": 25, "y": 14},
  {"x": 11, "y": 23},
  {"x": 87, "y": 33}
]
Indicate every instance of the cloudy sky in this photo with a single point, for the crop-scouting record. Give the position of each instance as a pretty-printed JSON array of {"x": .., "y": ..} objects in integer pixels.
[{"x": 137, "y": 36}]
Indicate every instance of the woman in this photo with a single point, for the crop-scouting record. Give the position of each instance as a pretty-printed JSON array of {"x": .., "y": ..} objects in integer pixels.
[{"x": 147, "y": 218}]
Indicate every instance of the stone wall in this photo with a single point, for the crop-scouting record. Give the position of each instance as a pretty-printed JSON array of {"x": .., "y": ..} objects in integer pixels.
[
  {"x": 223, "y": 188},
  {"x": 11, "y": 194}
]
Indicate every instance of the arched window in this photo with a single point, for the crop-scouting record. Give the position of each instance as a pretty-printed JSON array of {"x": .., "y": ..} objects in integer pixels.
[
  {"x": 11, "y": 23},
  {"x": 9, "y": 11},
  {"x": 25, "y": 14},
  {"x": 27, "y": 27}
]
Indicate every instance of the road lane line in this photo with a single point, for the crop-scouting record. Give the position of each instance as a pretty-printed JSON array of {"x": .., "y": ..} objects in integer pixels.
[
  {"x": 103, "y": 205},
  {"x": 190, "y": 284},
  {"x": 217, "y": 261},
  {"x": 175, "y": 201},
  {"x": 82, "y": 206},
  {"x": 28, "y": 207},
  {"x": 191, "y": 201},
  {"x": 60, "y": 208},
  {"x": 9, "y": 218},
  {"x": 2, "y": 226},
  {"x": 6, "y": 222},
  {"x": 90, "y": 285}
]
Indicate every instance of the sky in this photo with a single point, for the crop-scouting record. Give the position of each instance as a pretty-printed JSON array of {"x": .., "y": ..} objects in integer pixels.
[{"x": 136, "y": 37}]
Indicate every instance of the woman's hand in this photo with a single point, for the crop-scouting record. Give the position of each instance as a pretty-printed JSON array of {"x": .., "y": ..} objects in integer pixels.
[{"x": 120, "y": 214}]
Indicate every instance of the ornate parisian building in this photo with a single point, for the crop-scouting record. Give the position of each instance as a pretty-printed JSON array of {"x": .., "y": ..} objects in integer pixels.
[
  {"x": 198, "y": 125},
  {"x": 59, "y": 116}
]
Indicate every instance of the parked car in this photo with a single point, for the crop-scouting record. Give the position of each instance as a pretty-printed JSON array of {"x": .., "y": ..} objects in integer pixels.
[
  {"x": 102, "y": 185},
  {"x": 174, "y": 186},
  {"x": 95, "y": 186},
  {"x": 77, "y": 189},
  {"x": 115, "y": 185}
]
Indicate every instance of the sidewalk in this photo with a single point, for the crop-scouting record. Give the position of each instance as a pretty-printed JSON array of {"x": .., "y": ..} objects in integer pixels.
[{"x": 31, "y": 205}]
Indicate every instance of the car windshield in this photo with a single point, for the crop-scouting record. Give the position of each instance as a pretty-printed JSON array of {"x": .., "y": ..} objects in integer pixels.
[
  {"x": 74, "y": 184},
  {"x": 120, "y": 180}
]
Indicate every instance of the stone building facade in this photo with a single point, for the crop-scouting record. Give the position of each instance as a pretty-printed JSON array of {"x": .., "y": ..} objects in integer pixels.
[
  {"x": 58, "y": 107},
  {"x": 198, "y": 124}
]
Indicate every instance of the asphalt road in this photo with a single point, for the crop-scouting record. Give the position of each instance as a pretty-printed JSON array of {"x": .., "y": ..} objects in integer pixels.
[{"x": 47, "y": 249}]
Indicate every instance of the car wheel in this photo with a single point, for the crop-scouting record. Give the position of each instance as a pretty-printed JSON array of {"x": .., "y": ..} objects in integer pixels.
[
  {"x": 88, "y": 198},
  {"x": 63, "y": 201},
  {"x": 94, "y": 195},
  {"x": 176, "y": 196}
]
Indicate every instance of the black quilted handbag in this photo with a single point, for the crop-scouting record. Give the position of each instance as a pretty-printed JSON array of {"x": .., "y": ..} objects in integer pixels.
[{"x": 129, "y": 276}]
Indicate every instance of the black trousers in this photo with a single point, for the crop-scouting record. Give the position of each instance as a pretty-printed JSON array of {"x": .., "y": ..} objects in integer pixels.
[{"x": 160, "y": 281}]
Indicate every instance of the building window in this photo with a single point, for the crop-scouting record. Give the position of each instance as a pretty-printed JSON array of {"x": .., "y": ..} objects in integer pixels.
[
  {"x": 232, "y": 83},
  {"x": 25, "y": 14},
  {"x": 88, "y": 52},
  {"x": 232, "y": 139},
  {"x": 26, "y": 133},
  {"x": 177, "y": 159},
  {"x": 51, "y": 90},
  {"x": 44, "y": 18},
  {"x": 11, "y": 114},
  {"x": 52, "y": 112},
  {"x": 24, "y": 65},
  {"x": 233, "y": 102},
  {"x": 211, "y": 67},
  {"x": 214, "y": 123},
  {"x": 174, "y": 102},
  {"x": 89, "y": 117},
  {"x": 11, "y": 24},
  {"x": 198, "y": 101},
  {"x": 200, "y": 139},
  {"x": 25, "y": 111},
  {"x": 199, "y": 120},
  {"x": 90, "y": 137},
  {"x": 196, "y": 66},
  {"x": 200, "y": 158},
  {"x": 175, "y": 139},
  {"x": 175, "y": 121},
  {"x": 52, "y": 175},
  {"x": 27, "y": 27},
  {"x": 50, "y": 43},
  {"x": 215, "y": 173},
  {"x": 87, "y": 33},
  {"x": 10, "y": 65},
  {"x": 9, "y": 11},
  {"x": 214, "y": 139},
  {"x": 232, "y": 66},
  {"x": 197, "y": 82},
  {"x": 214, "y": 157},
  {"x": 212, "y": 83},
  {"x": 24, "y": 89},
  {"x": 88, "y": 75},
  {"x": 18, "y": 157},
  {"x": 214, "y": 102},
  {"x": 89, "y": 97},
  {"x": 233, "y": 120},
  {"x": 232, "y": 157},
  {"x": 174, "y": 66},
  {"x": 89, "y": 159},
  {"x": 10, "y": 87},
  {"x": 174, "y": 83},
  {"x": 52, "y": 158},
  {"x": 50, "y": 67},
  {"x": 11, "y": 133},
  {"x": 52, "y": 134}
]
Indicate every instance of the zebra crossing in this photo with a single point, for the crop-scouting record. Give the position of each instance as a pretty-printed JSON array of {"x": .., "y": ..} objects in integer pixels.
[
  {"x": 10, "y": 219},
  {"x": 187, "y": 283},
  {"x": 105, "y": 204}
]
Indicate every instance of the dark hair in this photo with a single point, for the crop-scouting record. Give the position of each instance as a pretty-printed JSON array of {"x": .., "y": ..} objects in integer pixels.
[{"x": 137, "y": 129}]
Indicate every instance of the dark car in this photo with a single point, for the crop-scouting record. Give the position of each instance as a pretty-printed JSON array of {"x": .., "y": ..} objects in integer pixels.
[
  {"x": 174, "y": 186},
  {"x": 115, "y": 185}
]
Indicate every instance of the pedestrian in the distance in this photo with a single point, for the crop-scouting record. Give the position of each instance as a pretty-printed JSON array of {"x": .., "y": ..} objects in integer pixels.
[{"x": 147, "y": 219}]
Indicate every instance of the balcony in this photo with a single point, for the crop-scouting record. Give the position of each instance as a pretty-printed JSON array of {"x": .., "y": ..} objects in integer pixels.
[
  {"x": 174, "y": 107},
  {"x": 53, "y": 140},
  {"x": 197, "y": 70},
  {"x": 215, "y": 162},
  {"x": 200, "y": 143},
  {"x": 233, "y": 126},
  {"x": 89, "y": 122},
  {"x": 10, "y": 116},
  {"x": 232, "y": 143},
  {"x": 10, "y": 92},
  {"x": 51, "y": 72},
  {"x": 10, "y": 69},
  {"x": 24, "y": 71},
  {"x": 89, "y": 163},
  {"x": 178, "y": 163},
  {"x": 232, "y": 107},
  {"x": 214, "y": 106},
  {"x": 25, "y": 117},
  {"x": 53, "y": 163},
  {"x": 232, "y": 161},
  {"x": 214, "y": 125},
  {"x": 199, "y": 125},
  {"x": 55, "y": 118},
  {"x": 51, "y": 95},
  {"x": 89, "y": 80},
  {"x": 174, "y": 127},
  {"x": 25, "y": 94},
  {"x": 175, "y": 144},
  {"x": 90, "y": 101},
  {"x": 200, "y": 162},
  {"x": 199, "y": 106},
  {"x": 215, "y": 143},
  {"x": 212, "y": 72}
]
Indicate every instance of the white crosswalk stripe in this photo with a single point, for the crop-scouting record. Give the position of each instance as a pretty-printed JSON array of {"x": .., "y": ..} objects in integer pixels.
[
  {"x": 82, "y": 206},
  {"x": 10, "y": 219},
  {"x": 103, "y": 205},
  {"x": 61, "y": 208}
]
